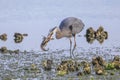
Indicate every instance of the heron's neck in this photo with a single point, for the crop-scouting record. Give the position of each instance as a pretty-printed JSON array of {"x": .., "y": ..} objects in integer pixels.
[{"x": 58, "y": 33}]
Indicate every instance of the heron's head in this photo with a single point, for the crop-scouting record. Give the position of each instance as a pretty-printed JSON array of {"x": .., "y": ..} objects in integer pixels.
[{"x": 47, "y": 39}]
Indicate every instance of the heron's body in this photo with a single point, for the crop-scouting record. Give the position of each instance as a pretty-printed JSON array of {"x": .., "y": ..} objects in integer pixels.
[{"x": 69, "y": 27}]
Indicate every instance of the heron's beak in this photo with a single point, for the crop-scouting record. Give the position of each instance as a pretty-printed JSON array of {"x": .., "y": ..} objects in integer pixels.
[{"x": 46, "y": 40}]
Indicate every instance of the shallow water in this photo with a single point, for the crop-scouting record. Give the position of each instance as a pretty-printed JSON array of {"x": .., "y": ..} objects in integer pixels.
[{"x": 19, "y": 66}]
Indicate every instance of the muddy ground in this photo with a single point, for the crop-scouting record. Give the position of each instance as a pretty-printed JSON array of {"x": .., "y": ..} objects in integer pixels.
[{"x": 20, "y": 66}]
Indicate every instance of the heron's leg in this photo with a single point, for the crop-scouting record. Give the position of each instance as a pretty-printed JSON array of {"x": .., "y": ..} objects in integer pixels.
[
  {"x": 74, "y": 44},
  {"x": 70, "y": 46}
]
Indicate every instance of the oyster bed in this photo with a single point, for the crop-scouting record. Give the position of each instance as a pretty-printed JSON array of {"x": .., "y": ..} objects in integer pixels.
[{"x": 28, "y": 65}]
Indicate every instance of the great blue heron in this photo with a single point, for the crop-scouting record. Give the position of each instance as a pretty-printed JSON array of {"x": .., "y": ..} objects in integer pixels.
[{"x": 69, "y": 27}]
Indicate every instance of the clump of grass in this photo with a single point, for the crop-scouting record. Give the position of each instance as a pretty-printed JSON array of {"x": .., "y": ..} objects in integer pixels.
[{"x": 109, "y": 66}]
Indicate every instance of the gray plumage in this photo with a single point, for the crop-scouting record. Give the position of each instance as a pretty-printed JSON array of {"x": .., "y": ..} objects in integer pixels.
[{"x": 71, "y": 25}]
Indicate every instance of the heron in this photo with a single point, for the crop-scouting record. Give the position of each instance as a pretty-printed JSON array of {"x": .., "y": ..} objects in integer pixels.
[{"x": 68, "y": 28}]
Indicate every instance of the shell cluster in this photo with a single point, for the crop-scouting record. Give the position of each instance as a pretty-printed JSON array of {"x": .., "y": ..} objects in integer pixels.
[
  {"x": 98, "y": 64},
  {"x": 3, "y": 37},
  {"x": 86, "y": 68},
  {"x": 19, "y": 37},
  {"x": 115, "y": 64},
  {"x": 82, "y": 68},
  {"x": 100, "y": 35},
  {"x": 67, "y": 66},
  {"x": 90, "y": 35},
  {"x": 5, "y": 50}
]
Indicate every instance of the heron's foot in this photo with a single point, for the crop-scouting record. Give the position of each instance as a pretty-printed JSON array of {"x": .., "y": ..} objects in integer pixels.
[
  {"x": 72, "y": 56},
  {"x": 73, "y": 51}
]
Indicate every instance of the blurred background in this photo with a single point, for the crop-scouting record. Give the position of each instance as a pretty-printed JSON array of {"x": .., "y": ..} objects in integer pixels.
[{"x": 37, "y": 17}]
